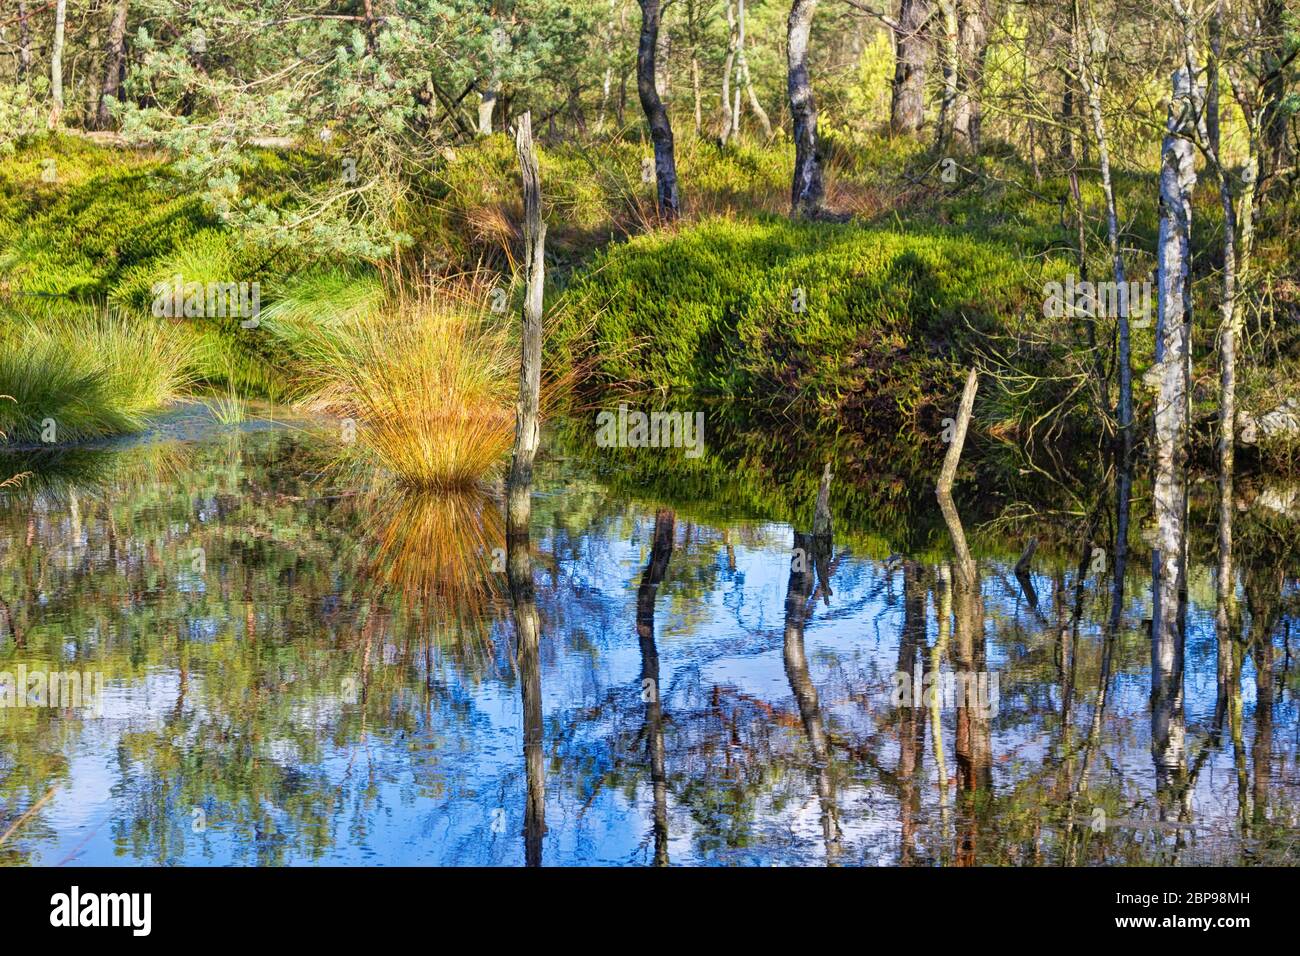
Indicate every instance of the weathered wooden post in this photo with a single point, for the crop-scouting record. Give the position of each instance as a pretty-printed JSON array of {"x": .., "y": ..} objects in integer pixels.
[
  {"x": 943, "y": 491},
  {"x": 519, "y": 486}
]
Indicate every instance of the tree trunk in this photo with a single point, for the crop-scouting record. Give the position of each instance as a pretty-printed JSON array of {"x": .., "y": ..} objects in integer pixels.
[
  {"x": 487, "y": 101},
  {"x": 728, "y": 65},
  {"x": 949, "y": 60},
  {"x": 1172, "y": 374},
  {"x": 519, "y": 494},
  {"x": 695, "y": 94},
  {"x": 911, "y": 48},
  {"x": 943, "y": 489},
  {"x": 604, "y": 99},
  {"x": 972, "y": 46},
  {"x": 1228, "y": 331},
  {"x": 1088, "y": 79},
  {"x": 661, "y": 131},
  {"x": 742, "y": 72},
  {"x": 56, "y": 63},
  {"x": 807, "y": 189},
  {"x": 113, "y": 56},
  {"x": 24, "y": 44},
  {"x": 1273, "y": 120}
]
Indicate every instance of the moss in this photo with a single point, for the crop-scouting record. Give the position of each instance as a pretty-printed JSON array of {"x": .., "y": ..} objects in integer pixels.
[{"x": 837, "y": 329}]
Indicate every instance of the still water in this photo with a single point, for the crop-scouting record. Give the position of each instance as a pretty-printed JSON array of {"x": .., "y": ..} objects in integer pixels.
[{"x": 300, "y": 668}]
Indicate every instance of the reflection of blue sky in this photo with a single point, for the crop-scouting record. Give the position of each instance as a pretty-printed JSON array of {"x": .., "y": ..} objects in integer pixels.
[{"x": 451, "y": 788}]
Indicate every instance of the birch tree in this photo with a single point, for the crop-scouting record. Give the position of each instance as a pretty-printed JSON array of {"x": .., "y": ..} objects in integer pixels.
[
  {"x": 661, "y": 130},
  {"x": 56, "y": 63},
  {"x": 1171, "y": 376},
  {"x": 807, "y": 190}
]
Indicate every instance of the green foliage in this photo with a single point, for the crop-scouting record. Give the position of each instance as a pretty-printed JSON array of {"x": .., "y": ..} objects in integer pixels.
[{"x": 104, "y": 216}]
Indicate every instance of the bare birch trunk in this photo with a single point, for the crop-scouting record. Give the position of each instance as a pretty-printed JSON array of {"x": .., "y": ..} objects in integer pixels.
[
  {"x": 661, "y": 131},
  {"x": 1088, "y": 78},
  {"x": 604, "y": 99},
  {"x": 742, "y": 74},
  {"x": 487, "y": 101},
  {"x": 1172, "y": 374},
  {"x": 807, "y": 190},
  {"x": 943, "y": 490},
  {"x": 727, "y": 66},
  {"x": 56, "y": 63},
  {"x": 1228, "y": 331}
]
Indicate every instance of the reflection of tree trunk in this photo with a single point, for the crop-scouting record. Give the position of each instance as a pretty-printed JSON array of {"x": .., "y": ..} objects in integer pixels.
[
  {"x": 1263, "y": 589},
  {"x": 661, "y": 131},
  {"x": 799, "y": 589},
  {"x": 973, "y": 746},
  {"x": 1124, "y": 482},
  {"x": 519, "y": 487},
  {"x": 1173, "y": 372},
  {"x": 1262, "y": 746},
  {"x": 943, "y": 610},
  {"x": 911, "y": 723},
  {"x": 519, "y": 574},
  {"x": 661, "y": 550}
]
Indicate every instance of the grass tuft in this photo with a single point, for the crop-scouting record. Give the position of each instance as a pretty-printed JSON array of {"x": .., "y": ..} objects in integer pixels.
[
  {"x": 76, "y": 378},
  {"x": 428, "y": 380}
]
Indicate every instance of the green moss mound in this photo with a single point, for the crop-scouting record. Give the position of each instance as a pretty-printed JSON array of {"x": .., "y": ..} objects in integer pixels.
[{"x": 835, "y": 329}]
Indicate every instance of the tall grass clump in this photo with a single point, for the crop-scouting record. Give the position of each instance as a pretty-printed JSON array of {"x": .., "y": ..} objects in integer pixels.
[
  {"x": 93, "y": 376},
  {"x": 428, "y": 379}
]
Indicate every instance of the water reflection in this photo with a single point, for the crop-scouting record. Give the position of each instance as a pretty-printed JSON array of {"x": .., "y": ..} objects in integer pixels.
[{"x": 296, "y": 672}]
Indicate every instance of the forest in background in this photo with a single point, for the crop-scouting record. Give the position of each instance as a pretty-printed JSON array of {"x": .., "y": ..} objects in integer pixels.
[{"x": 816, "y": 214}]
